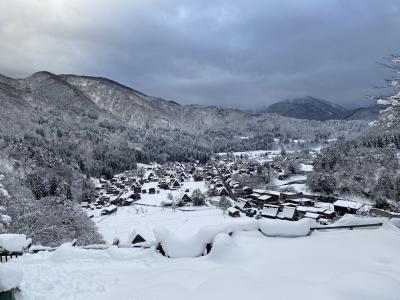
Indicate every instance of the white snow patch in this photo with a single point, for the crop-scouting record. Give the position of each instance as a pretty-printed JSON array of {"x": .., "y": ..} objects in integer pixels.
[
  {"x": 346, "y": 265},
  {"x": 10, "y": 277}
]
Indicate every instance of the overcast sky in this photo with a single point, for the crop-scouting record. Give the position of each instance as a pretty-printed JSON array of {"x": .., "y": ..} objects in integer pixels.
[{"x": 221, "y": 52}]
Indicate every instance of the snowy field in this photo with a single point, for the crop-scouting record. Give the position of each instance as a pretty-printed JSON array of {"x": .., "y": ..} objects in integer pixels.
[
  {"x": 258, "y": 155},
  {"x": 144, "y": 219},
  {"x": 339, "y": 265}
]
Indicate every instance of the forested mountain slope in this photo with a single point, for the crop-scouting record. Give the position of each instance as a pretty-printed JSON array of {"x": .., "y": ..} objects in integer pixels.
[
  {"x": 317, "y": 109},
  {"x": 368, "y": 165}
]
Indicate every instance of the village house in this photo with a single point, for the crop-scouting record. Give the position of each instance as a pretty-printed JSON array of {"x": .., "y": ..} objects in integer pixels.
[
  {"x": 175, "y": 185},
  {"x": 243, "y": 206},
  {"x": 109, "y": 210},
  {"x": 300, "y": 201},
  {"x": 290, "y": 195},
  {"x": 288, "y": 213},
  {"x": 270, "y": 211},
  {"x": 275, "y": 195},
  {"x": 233, "y": 212},
  {"x": 342, "y": 207},
  {"x": 185, "y": 198},
  {"x": 222, "y": 191},
  {"x": 313, "y": 216}
]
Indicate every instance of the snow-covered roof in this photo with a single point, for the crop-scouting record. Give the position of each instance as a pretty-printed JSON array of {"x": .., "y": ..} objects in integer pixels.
[
  {"x": 220, "y": 189},
  {"x": 264, "y": 197},
  {"x": 287, "y": 212},
  {"x": 270, "y": 211},
  {"x": 111, "y": 207},
  {"x": 348, "y": 204},
  {"x": 232, "y": 210},
  {"x": 12, "y": 242},
  {"x": 276, "y": 193},
  {"x": 312, "y": 215},
  {"x": 312, "y": 209},
  {"x": 259, "y": 191},
  {"x": 144, "y": 231}
]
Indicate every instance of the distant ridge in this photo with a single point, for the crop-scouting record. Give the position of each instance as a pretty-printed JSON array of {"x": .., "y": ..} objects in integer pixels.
[{"x": 317, "y": 109}]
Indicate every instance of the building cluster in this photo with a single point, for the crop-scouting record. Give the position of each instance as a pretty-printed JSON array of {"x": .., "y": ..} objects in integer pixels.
[
  {"x": 127, "y": 188},
  {"x": 264, "y": 203}
]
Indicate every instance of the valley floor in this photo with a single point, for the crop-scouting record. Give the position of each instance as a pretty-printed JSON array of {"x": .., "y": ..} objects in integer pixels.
[{"x": 357, "y": 264}]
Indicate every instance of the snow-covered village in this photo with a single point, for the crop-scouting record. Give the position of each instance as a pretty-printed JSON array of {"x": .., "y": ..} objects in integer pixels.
[{"x": 212, "y": 150}]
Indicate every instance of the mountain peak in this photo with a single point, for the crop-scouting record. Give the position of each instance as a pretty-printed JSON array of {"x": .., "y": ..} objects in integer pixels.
[{"x": 307, "y": 108}]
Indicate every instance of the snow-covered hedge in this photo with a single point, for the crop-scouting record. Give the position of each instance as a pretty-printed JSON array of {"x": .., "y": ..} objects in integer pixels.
[{"x": 193, "y": 246}]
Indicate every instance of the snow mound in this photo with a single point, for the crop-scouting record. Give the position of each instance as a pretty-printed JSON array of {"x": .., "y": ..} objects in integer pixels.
[
  {"x": 208, "y": 232},
  {"x": 13, "y": 242},
  {"x": 9, "y": 278},
  {"x": 224, "y": 248},
  {"x": 282, "y": 228},
  {"x": 193, "y": 246},
  {"x": 389, "y": 225},
  {"x": 66, "y": 252},
  {"x": 352, "y": 220},
  {"x": 122, "y": 253},
  {"x": 395, "y": 222},
  {"x": 175, "y": 246}
]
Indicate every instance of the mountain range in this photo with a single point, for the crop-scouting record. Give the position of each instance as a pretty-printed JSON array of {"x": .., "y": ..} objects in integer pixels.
[
  {"x": 75, "y": 116},
  {"x": 317, "y": 109}
]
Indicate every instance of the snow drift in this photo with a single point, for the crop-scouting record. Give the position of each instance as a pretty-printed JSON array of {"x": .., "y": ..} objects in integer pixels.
[
  {"x": 176, "y": 246},
  {"x": 9, "y": 278},
  {"x": 282, "y": 228},
  {"x": 352, "y": 220},
  {"x": 66, "y": 252}
]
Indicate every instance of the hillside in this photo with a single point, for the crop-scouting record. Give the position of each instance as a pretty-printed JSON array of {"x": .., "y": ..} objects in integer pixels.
[
  {"x": 316, "y": 109},
  {"x": 370, "y": 113},
  {"x": 307, "y": 108}
]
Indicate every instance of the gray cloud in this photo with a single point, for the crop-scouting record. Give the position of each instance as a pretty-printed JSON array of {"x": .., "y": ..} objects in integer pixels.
[{"x": 231, "y": 53}]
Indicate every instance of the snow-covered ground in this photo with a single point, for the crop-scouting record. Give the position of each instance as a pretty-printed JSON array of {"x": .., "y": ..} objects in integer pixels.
[
  {"x": 258, "y": 155},
  {"x": 144, "y": 216},
  {"x": 127, "y": 219},
  {"x": 357, "y": 264}
]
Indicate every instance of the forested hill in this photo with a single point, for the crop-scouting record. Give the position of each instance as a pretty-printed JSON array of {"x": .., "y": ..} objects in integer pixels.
[
  {"x": 98, "y": 125},
  {"x": 317, "y": 109},
  {"x": 368, "y": 165}
]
